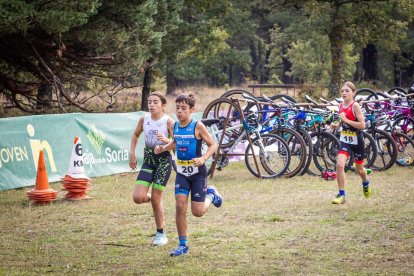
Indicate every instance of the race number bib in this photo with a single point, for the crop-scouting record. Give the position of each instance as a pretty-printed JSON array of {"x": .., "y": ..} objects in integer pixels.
[
  {"x": 349, "y": 137},
  {"x": 186, "y": 167}
]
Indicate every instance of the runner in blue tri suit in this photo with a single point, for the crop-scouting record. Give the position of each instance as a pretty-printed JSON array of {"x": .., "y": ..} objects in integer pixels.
[
  {"x": 191, "y": 170},
  {"x": 156, "y": 168}
]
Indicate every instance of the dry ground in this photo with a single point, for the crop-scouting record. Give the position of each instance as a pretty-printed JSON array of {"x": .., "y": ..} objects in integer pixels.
[{"x": 265, "y": 227}]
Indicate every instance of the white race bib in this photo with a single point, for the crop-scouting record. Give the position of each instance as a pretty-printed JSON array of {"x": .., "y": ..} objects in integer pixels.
[
  {"x": 186, "y": 167},
  {"x": 349, "y": 137}
]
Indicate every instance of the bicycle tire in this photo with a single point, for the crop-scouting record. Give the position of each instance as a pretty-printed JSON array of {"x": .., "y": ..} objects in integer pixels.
[
  {"x": 297, "y": 147},
  {"x": 307, "y": 138},
  {"x": 365, "y": 94},
  {"x": 370, "y": 150},
  {"x": 238, "y": 93},
  {"x": 382, "y": 96},
  {"x": 325, "y": 150},
  {"x": 208, "y": 162},
  {"x": 218, "y": 109},
  {"x": 399, "y": 89},
  {"x": 405, "y": 149},
  {"x": 386, "y": 150},
  {"x": 404, "y": 124},
  {"x": 273, "y": 162}
]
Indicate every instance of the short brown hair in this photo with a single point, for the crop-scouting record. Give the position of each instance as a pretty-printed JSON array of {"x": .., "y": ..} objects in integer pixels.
[
  {"x": 159, "y": 95},
  {"x": 187, "y": 98},
  {"x": 350, "y": 85}
]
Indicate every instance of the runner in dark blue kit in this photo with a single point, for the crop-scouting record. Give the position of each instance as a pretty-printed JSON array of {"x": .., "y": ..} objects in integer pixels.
[{"x": 191, "y": 171}]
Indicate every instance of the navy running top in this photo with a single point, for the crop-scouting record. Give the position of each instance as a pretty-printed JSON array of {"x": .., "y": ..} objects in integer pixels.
[{"x": 187, "y": 145}]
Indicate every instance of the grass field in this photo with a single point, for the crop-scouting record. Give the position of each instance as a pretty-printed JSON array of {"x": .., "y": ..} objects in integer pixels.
[{"x": 280, "y": 226}]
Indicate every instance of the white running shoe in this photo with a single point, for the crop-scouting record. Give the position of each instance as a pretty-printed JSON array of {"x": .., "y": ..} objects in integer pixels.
[{"x": 160, "y": 239}]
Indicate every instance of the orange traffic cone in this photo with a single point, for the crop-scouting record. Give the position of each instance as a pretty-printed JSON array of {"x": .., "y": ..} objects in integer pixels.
[
  {"x": 75, "y": 181},
  {"x": 42, "y": 192}
]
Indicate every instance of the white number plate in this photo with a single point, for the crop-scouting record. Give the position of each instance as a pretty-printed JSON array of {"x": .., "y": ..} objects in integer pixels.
[
  {"x": 349, "y": 137},
  {"x": 186, "y": 167}
]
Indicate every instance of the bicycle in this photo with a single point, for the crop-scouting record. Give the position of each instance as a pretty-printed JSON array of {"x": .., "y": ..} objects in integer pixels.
[{"x": 268, "y": 155}]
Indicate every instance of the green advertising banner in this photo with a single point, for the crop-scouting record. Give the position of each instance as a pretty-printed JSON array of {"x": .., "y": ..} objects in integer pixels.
[{"x": 105, "y": 141}]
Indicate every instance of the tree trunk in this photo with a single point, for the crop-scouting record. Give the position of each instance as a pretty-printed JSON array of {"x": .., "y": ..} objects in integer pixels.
[
  {"x": 266, "y": 69},
  {"x": 261, "y": 62},
  {"x": 370, "y": 63},
  {"x": 239, "y": 76},
  {"x": 396, "y": 70},
  {"x": 44, "y": 96},
  {"x": 146, "y": 87},
  {"x": 170, "y": 79},
  {"x": 287, "y": 65},
  {"x": 231, "y": 75},
  {"x": 336, "y": 38},
  {"x": 255, "y": 60},
  {"x": 358, "y": 69}
]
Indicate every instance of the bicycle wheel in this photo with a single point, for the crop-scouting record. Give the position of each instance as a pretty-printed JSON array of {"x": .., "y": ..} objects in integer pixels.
[
  {"x": 404, "y": 124},
  {"x": 370, "y": 150},
  {"x": 382, "y": 95},
  {"x": 365, "y": 94},
  {"x": 272, "y": 156},
  {"x": 386, "y": 148},
  {"x": 308, "y": 141},
  {"x": 393, "y": 91},
  {"x": 243, "y": 94},
  {"x": 405, "y": 149},
  {"x": 209, "y": 162},
  {"x": 236, "y": 93},
  {"x": 297, "y": 147},
  {"x": 325, "y": 150},
  {"x": 219, "y": 109}
]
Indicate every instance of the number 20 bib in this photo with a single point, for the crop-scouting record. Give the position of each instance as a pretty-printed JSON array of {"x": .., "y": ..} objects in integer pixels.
[
  {"x": 186, "y": 167},
  {"x": 349, "y": 137}
]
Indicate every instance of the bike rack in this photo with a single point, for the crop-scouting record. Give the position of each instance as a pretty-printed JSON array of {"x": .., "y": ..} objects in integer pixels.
[
  {"x": 219, "y": 154},
  {"x": 236, "y": 102}
]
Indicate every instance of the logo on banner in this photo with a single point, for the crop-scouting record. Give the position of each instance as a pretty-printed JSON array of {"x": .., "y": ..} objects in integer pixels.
[
  {"x": 96, "y": 138},
  {"x": 12, "y": 154},
  {"x": 36, "y": 145},
  {"x": 19, "y": 153},
  {"x": 106, "y": 155}
]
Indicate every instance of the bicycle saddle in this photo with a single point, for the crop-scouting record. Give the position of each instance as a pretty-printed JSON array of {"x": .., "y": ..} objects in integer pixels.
[{"x": 210, "y": 122}]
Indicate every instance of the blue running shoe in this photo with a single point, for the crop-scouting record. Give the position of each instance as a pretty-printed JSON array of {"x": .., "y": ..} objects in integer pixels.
[
  {"x": 181, "y": 250},
  {"x": 218, "y": 199}
]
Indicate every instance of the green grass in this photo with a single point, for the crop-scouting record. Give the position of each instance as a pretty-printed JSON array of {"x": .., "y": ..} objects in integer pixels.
[{"x": 280, "y": 226}]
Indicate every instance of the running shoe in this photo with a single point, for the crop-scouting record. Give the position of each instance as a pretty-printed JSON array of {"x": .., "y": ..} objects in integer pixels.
[
  {"x": 160, "y": 239},
  {"x": 181, "y": 250},
  {"x": 218, "y": 199},
  {"x": 367, "y": 190},
  {"x": 339, "y": 199}
]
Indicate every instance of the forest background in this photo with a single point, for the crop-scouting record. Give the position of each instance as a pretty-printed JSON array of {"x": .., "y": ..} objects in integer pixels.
[{"x": 71, "y": 56}]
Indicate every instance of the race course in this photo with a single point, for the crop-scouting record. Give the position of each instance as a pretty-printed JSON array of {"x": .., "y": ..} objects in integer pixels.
[{"x": 279, "y": 226}]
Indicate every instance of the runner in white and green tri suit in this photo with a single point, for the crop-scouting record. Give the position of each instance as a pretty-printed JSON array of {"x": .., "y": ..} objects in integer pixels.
[{"x": 156, "y": 169}]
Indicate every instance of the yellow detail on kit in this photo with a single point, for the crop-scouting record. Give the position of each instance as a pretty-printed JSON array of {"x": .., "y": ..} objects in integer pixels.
[{"x": 185, "y": 162}]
